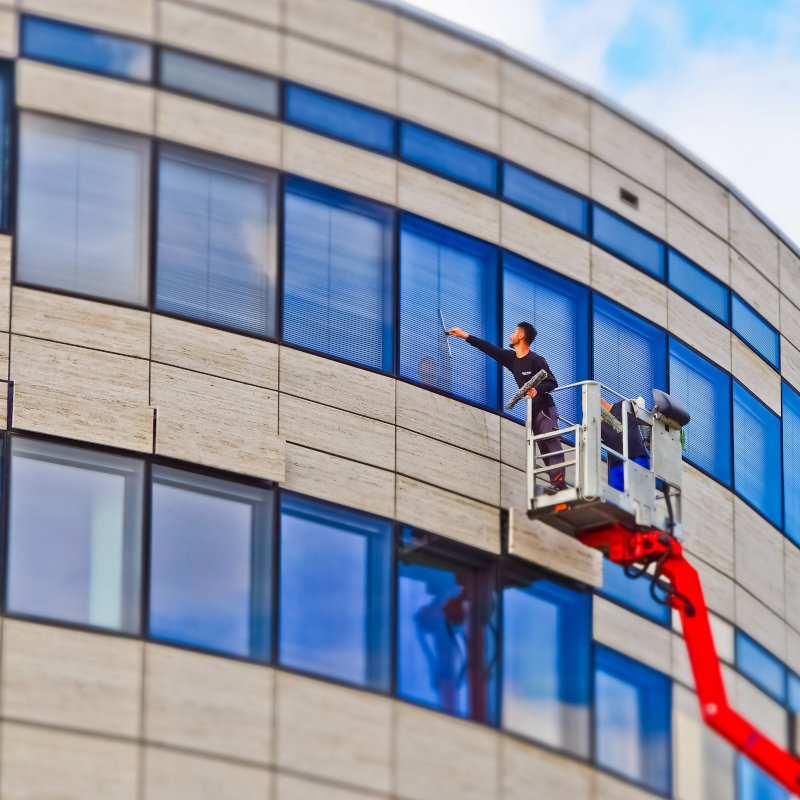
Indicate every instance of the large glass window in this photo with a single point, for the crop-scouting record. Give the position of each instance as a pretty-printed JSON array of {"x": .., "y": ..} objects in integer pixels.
[
  {"x": 753, "y": 784},
  {"x": 6, "y": 82},
  {"x": 633, "y": 592},
  {"x": 696, "y": 284},
  {"x": 335, "y": 593},
  {"x": 547, "y": 633},
  {"x": 628, "y": 241},
  {"x": 337, "y": 281},
  {"x": 757, "y": 454},
  {"x": 761, "y": 666},
  {"x": 632, "y": 719},
  {"x": 447, "y": 280},
  {"x": 752, "y": 328},
  {"x": 210, "y": 563},
  {"x": 706, "y": 391},
  {"x": 791, "y": 462},
  {"x": 75, "y": 527},
  {"x": 217, "y": 241},
  {"x": 91, "y": 187}
]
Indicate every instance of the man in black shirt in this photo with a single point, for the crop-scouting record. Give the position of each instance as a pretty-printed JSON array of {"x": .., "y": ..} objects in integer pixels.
[
  {"x": 613, "y": 439},
  {"x": 524, "y": 364}
]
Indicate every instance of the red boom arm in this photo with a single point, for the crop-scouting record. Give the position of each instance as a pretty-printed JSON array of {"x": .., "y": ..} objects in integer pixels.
[{"x": 628, "y": 549}]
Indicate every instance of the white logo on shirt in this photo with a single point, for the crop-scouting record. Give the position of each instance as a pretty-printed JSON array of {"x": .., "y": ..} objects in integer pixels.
[{"x": 526, "y": 373}]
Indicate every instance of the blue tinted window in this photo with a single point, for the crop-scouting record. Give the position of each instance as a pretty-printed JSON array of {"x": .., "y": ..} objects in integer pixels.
[
  {"x": 547, "y": 633},
  {"x": 340, "y": 118},
  {"x": 544, "y": 198},
  {"x": 793, "y": 693},
  {"x": 220, "y": 82},
  {"x": 335, "y": 592},
  {"x": 706, "y": 391},
  {"x": 447, "y": 280},
  {"x": 632, "y": 592},
  {"x": 753, "y": 784},
  {"x": 632, "y": 719},
  {"x": 760, "y": 666},
  {"x": 757, "y": 454},
  {"x": 85, "y": 49},
  {"x": 791, "y": 462},
  {"x": 699, "y": 286},
  {"x": 756, "y": 331},
  {"x": 216, "y": 258},
  {"x": 210, "y": 563},
  {"x": 338, "y": 274},
  {"x": 5, "y": 139},
  {"x": 627, "y": 241},
  {"x": 448, "y": 157}
]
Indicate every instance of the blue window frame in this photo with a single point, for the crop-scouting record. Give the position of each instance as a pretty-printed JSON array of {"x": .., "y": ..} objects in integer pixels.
[
  {"x": 83, "y": 48},
  {"x": 546, "y": 685},
  {"x": 757, "y": 454},
  {"x": 761, "y": 666},
  {"x": 545, "y": 199},
  {"x": 753, "y": 784},
  {"x": 335, "y": 593},
  {"x": 623, "y": 239},
  {"x": 700, "y": 287},
  {"x": 559, "y": 310},
  {"x": 634, "y": 593},
  {"x": 447, "y": 280},
  {"x": 633, "y": 720},
  {"x": 211, "y": 563},
  {"x": 341, "y": 119},
  {"x": 706, "y": 391},
  {"x": 753, "y": 329},
  {"x": 220, "y": 82},
  {"x": 791, "y": 462},
  {"x": 338, "y": 274}
]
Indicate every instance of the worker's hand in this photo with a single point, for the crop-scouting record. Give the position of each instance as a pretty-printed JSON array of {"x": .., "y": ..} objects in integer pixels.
[
  {"x": 457, "y": 332},
  {"x": 532, "y": 393}
]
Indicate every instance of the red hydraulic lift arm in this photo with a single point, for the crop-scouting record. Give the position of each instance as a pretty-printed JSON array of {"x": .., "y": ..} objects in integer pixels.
[{"x": 685, "y": 594}]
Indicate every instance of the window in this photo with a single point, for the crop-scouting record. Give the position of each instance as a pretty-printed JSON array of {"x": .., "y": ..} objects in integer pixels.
[
  {"x": 633, "y": 592},
  {"x": 793, "y": 693},
  {"x": 216, "y": 258},
  {"x": 696, "y": 284},
  {"x": 75, "y": 557},
  {"x": 756, "y": 454},
  {"x": 706, "y": 391},
  {"x": 335, "y": 593},
  {"x": 91, "y": 185},
  {"x": 82, "y": 48},
  {"x": 446, "y": 629},
  {"x": 753, "y": 784},
  {"x": 544, "y": 198},
  {"x": 220, "y": 82},
  {"x": 623, "y": 239},
  {"x": 210, "y": 563},
  {"x": 338, "y": 274},
  {"x": 6, "y": 82},
  {"x": 753, "y": 329},
  {"x": 632, "y": 719},
  {"x": 760, "y": 666},
  {"x": 791, "y": 462},
  {"x": 547, "y": 633},
  {"x": 447, "y": 280},
  {"x": 341, "y": 119},
  {"x": 448, "y": 157}
]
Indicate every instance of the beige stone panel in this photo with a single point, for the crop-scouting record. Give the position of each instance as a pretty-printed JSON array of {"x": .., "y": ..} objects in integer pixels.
[
  {"x": 759, "y": 709},
  {"x": 71, "y": 320},
  {"x": 204, "y": 349},
  {"x": 73, "y": 679},
  {"x": 169, "y": 775},
  {"x": 339, "y": 385},
  {"x": 448, "y": 420},
  {"x": 70, "y": 93},
  {"x": 292, "y": 787},
  {"x": 366, "y": 30},
  {"x": 790, "y": 362},
  {"x": 440, "y": 756},
  {"x": 629, "y": 286},
  {"x": 221, "y": 130},
  {"x": 699, "y": 330},
  {"x": 512, "y": 443},
  {"x": 513, "y": 493},
  {"x": 202, "y": 702},
  {"x": 8, "y": 34},
  {"x": 342, "y": 74},
  {"x": 449, "y": 112},
  {"x": 337, "y": 164},
  {"x": 708, "y": 519},
  {"x": 758, "y": 621},
  {"x": 337, "y": 432},
  {"x": 750, "y": 285},
  {"x": 789, "y": 273},
  {"x": 266, "y": 11},
  {"x": 448, "y": 514},
  {"x": 340, "y": 480},
  {"x": 545, "y": 244},
  {"x": 790, "y": 320},
  {"x": 697, "y": 193},
  {"x": 5, "y": 282},
  {"x": 448, "y": 203},
  {"x": 754, "y": 373},
  {"x": 134, "y": 17},
  {"x": 791, "y": 570},
  {"x": 333, "y": 732},
  {"x": 545, "y": 103},
  {"x": 607, "y": 787},
  {"x": 651, "y": 212},
  {"x": 534, "y": 541},
  {"x": 697, "y": 243},
  {"x": 754, "y": 240},
  {"x": 621, "y": 630}
]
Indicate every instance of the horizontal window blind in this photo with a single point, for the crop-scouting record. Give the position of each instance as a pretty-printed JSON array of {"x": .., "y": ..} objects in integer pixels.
[
  {"x": 628, "y": 241},
  {"x": 696, "y": 284},
  {"x": 756, "y": 331}
]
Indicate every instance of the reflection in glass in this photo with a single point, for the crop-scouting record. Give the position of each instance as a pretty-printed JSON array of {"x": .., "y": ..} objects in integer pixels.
[
  {"x": 633, "y": 593},
  {"x": 753, "y": 784},
  {"x": 760, "y": 666}
]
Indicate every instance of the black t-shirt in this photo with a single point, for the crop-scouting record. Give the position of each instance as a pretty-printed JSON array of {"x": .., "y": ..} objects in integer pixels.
[{"x": 612, "y": 439}]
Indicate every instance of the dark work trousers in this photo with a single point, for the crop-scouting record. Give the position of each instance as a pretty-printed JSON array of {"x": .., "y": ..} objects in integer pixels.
[{"x": 544, "y": 421}]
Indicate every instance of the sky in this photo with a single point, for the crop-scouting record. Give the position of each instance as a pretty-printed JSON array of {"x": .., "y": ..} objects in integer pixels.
[{"x": 720, "y": 77}]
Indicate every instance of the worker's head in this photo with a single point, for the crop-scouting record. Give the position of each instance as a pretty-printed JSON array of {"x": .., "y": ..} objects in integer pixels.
[{"x": 524, "y": 332}]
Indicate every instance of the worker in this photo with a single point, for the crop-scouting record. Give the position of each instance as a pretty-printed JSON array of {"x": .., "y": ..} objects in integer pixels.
[
  {"x": 636, "y": 450},
  {"x": 524, "y": 364}
]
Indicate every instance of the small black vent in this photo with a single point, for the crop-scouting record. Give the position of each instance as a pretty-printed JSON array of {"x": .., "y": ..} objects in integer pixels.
[{"x": 628, "y": 197}]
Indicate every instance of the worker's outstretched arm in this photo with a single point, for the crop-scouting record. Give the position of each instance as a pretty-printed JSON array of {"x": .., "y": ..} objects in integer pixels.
[{"x": 497, "y": 353}]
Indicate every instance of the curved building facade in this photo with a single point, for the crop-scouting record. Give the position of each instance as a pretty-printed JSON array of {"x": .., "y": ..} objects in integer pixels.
[{"x": 259, "y": 530}]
